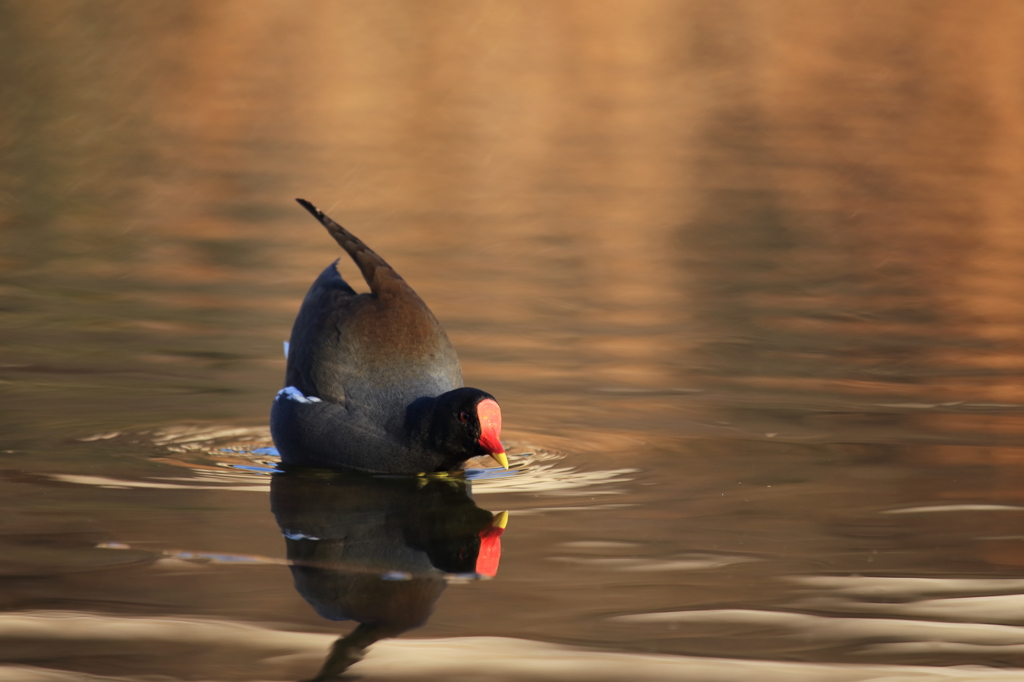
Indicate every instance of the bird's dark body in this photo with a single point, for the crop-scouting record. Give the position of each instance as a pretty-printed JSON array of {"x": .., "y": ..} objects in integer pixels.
[{"x": 368, "y": 375}]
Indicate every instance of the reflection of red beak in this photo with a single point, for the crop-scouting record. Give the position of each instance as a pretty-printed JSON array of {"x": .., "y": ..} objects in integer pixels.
[
  {"x": 490, "y": 545},
  {"x": 489, "y": 415}
]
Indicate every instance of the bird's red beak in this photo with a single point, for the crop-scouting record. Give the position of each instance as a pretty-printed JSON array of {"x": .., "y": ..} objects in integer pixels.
[
  {"x": 489, "y": 415},
  {"x": 490, "y": 545}
]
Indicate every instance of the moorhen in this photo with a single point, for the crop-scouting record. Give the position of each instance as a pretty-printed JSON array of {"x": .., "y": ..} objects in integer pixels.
[{"x": 372, "y": 382}]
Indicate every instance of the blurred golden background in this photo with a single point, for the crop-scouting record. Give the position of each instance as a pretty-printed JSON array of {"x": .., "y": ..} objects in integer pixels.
[{"x": 771, "y": 197}]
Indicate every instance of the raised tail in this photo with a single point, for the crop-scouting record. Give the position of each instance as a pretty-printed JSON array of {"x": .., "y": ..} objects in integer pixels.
[{"x": 375, "y": 269}]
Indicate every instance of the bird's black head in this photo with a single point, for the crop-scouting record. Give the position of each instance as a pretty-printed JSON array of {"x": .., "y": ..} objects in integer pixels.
[{"x": 466, "y": 423}]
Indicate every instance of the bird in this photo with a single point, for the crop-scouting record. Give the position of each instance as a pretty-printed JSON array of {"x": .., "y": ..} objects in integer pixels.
[{"x": 372, "y": 382}]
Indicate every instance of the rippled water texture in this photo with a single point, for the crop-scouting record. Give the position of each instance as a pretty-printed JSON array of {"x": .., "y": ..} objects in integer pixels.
[{"x": 745, "y": 276}]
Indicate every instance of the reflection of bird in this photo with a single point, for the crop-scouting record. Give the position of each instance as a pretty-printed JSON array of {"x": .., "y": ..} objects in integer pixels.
[
  {"x": 373, "y": 383},
  {"x": 376, "y": 550}
]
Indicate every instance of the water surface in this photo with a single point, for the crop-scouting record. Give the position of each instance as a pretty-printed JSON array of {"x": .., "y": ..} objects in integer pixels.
[{"x": 745, "y": 277}]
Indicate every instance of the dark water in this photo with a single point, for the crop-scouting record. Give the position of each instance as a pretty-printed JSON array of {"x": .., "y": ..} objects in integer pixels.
[{"x": 745, "y": 276}]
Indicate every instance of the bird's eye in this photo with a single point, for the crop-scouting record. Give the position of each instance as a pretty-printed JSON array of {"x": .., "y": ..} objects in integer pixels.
[{"x": 464, "y": 417}]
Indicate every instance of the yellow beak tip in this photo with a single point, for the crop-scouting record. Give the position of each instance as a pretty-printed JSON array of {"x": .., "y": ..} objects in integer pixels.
[
  {"x": 500, "y": 520},
  {"x": 500, "y": 458}
]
